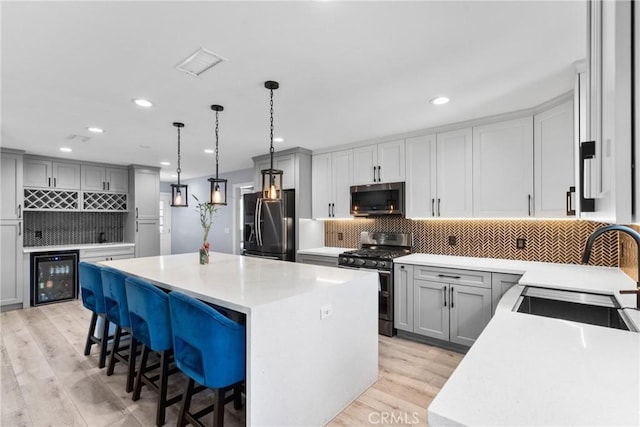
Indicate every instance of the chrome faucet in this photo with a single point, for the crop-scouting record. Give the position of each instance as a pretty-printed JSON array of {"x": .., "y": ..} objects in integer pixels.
[{"x": 631, "y": 232}]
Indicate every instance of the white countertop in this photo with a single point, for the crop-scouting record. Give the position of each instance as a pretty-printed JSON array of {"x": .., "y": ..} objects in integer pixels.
[
  {"x": 236, "y": 281},
  {"x": 324, "y": 251},
  {"x": 30, "y": 249},
  {"x": 533, "y": 370}
]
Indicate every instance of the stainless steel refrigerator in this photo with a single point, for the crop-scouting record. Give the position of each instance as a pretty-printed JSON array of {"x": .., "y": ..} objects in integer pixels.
[{"x": 269, "y": 226}]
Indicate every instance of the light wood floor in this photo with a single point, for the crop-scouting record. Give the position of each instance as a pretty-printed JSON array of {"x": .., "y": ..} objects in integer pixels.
[{"x": 46, "y": 380}]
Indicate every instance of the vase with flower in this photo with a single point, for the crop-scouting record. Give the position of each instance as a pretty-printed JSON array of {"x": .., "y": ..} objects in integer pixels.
[{"x": 206, "y": 211}]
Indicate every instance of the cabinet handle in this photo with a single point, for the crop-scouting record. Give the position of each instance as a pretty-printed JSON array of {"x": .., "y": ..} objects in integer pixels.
[
  {"x": 333, "y": 210},
  {"x": 103, "y": 186},
  {"x": 570, "y": 209},
  {"x": 108, "y": 186},
  {"x": 529, "y": 203},
  {"x": 433, "y": 207},
  {"x": 402, "y": 267},
  {"x": 438, "y": 206},
  {"x": 55, "y": 183},
  {"x": 19, "y": 229},
  {"x": 451, "y": 290},
  {"x": 136, "y": 214},
  {"x": 19, "y": 211},
  {"x": 329, "y": 209},
  {"x": 444, "y": 296},
  {"x": 379, "y": 174},
  {"x": 136, "y": 226},
  {"x": 448, "y": 276},
  {"x": 49, "y": 182},
  {"x": 374, "y": 174}
]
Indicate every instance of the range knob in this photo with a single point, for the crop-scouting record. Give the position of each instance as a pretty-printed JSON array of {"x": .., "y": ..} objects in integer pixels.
[
  {"x": 374, "y": 263},
  {"x": 360, "y": 262},
  {"x": 350, "y": 261}
]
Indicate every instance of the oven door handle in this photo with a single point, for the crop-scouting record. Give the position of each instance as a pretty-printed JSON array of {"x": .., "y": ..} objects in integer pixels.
[{"x": 372, "y": 270}]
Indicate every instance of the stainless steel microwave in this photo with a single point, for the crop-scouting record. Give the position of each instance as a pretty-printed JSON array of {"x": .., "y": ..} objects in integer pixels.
[{"x": 377, "y": 199}]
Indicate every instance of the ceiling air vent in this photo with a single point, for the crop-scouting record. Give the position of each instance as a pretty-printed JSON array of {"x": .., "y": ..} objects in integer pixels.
[{"x": 199, "y": 62}]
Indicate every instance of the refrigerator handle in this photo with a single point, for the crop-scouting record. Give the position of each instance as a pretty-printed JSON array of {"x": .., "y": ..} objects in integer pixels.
[{"x": 258, "y": 217}]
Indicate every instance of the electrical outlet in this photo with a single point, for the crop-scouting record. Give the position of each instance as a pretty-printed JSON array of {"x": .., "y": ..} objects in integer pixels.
[
  {"x": 521, "y": 243},
  {"x": 326, "y": 311},
  {"x": 453, "y": 241},
  {"x": 227, "y": 230},
  {"x": 340, "y": 236},
  {"x": 38, "y": 234}
]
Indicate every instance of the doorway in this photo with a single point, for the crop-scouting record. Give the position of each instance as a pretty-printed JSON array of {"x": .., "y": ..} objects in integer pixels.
[
  {"x": 239, "y": 190},
  {"x": 165, "y": 224}
]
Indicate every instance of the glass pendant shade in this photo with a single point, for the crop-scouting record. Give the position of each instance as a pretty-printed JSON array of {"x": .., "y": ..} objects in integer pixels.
[
  {"x": 179, "y": 192},
  {"x": 218, "y": 185},
  {"x": 179, "y": 195},
  {"x": 218, "y": 191},
  {"x": 272, "y": 183},
  {"x": 271, "y": 178}
]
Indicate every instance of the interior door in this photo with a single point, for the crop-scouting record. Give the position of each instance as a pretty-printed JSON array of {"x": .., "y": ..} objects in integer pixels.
[{"x": 165, "y": 224}]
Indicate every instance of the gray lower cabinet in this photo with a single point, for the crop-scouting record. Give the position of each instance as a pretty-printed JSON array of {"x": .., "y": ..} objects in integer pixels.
[
  {"x": 147, "y": 237},
  {"x": 501, "y": 283},
  {"x": 11, "y": 285},
  {"x": 323, "y": 260},
  {"x": 450, "y": 305},
  {"x": 403, "y": 297}
]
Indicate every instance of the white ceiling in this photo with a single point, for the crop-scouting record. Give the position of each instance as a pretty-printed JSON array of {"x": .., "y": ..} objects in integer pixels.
[{"x": 349, "y": 72}]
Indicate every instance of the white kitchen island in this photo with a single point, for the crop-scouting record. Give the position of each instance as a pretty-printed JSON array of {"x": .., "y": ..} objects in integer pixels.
[{"x": 301, "y": 369}]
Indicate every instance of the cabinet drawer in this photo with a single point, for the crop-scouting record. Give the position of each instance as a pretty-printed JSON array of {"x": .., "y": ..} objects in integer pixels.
[
  {"x": 480, "y": 279},
  {"x": 104, "y": 253}
]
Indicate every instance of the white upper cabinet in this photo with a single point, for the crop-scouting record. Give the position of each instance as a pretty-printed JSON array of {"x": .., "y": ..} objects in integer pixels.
[
  {"x": 383, "y": 162},
  {"x": 421, "y": 177},
  {"x": 503, "y": 169},
  {"x": 553, "y": 161},
  {"x": 49, "y": 174},
  {"x": 100, "y": 178},
  {"x": 11, "y": 185},
  {"x": 454, "y": 182},
  {"x": 332, "y": 175},
  {"x": 285, "y": 163}
]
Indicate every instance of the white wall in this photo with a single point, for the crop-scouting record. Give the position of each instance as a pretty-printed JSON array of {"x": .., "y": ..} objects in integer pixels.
[{"x": 185, "y": 222}]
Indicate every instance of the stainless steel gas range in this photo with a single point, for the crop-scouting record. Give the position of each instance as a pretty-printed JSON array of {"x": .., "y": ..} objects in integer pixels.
[{"x": 377, "y": 251}]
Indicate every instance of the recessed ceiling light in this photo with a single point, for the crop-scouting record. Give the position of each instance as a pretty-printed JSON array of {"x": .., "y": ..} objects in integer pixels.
[
  {"x": 165, "y": 163},
  {"x": 95, "y": 129},
  {"x": 278, "y": 139},
  {"x": 66, "y": 149},
  {"x": 209, "y": 151},
  {"x": 439, "y": 100},
  {"x": 142, "y": 103}
]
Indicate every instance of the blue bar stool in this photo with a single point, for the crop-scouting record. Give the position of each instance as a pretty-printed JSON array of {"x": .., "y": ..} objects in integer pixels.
[
  {"x": 151, "y": 325},
  {"x": 115, "y": 299},
  {"x": 210, "y": 349},
  {"x": 93, "y": 299}
]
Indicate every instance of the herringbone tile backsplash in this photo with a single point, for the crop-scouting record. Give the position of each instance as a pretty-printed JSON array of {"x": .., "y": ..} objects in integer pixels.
[
  {"x": 629, "y": 254},
  {"x": 560, "y": 241}
]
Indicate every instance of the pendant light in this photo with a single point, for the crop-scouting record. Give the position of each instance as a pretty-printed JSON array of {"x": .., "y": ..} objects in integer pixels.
[
  {"x": 271, "y": 178},
  {"x": 178, "y": 191},
  {"x": 218, "y": 185}
]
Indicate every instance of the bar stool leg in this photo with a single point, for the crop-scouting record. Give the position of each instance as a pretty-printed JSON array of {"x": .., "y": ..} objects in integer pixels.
[
  {"x": 162, "y": 388},
  {"x": 104, "y": 343},
  {"x": 186, "y": 403},
  {"x": 114, "y": 350},
  {"x": 143, "y": 364},
  {"x": 218, "y": 407},
  {"x": 237, "y": 397},
  {"x": 131, "y": 365},
  {"x": 92, "y": 326}
]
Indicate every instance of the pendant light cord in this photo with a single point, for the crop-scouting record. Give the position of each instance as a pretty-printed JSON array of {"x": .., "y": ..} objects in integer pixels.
[
  {"x": 217, "y": 157},
  {"x": 178, "y": 170},
  {"x": 271, "y": 129}
]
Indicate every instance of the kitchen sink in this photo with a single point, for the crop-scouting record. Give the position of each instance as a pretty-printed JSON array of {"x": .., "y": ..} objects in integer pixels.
[{"x": 582, "y": 307}]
